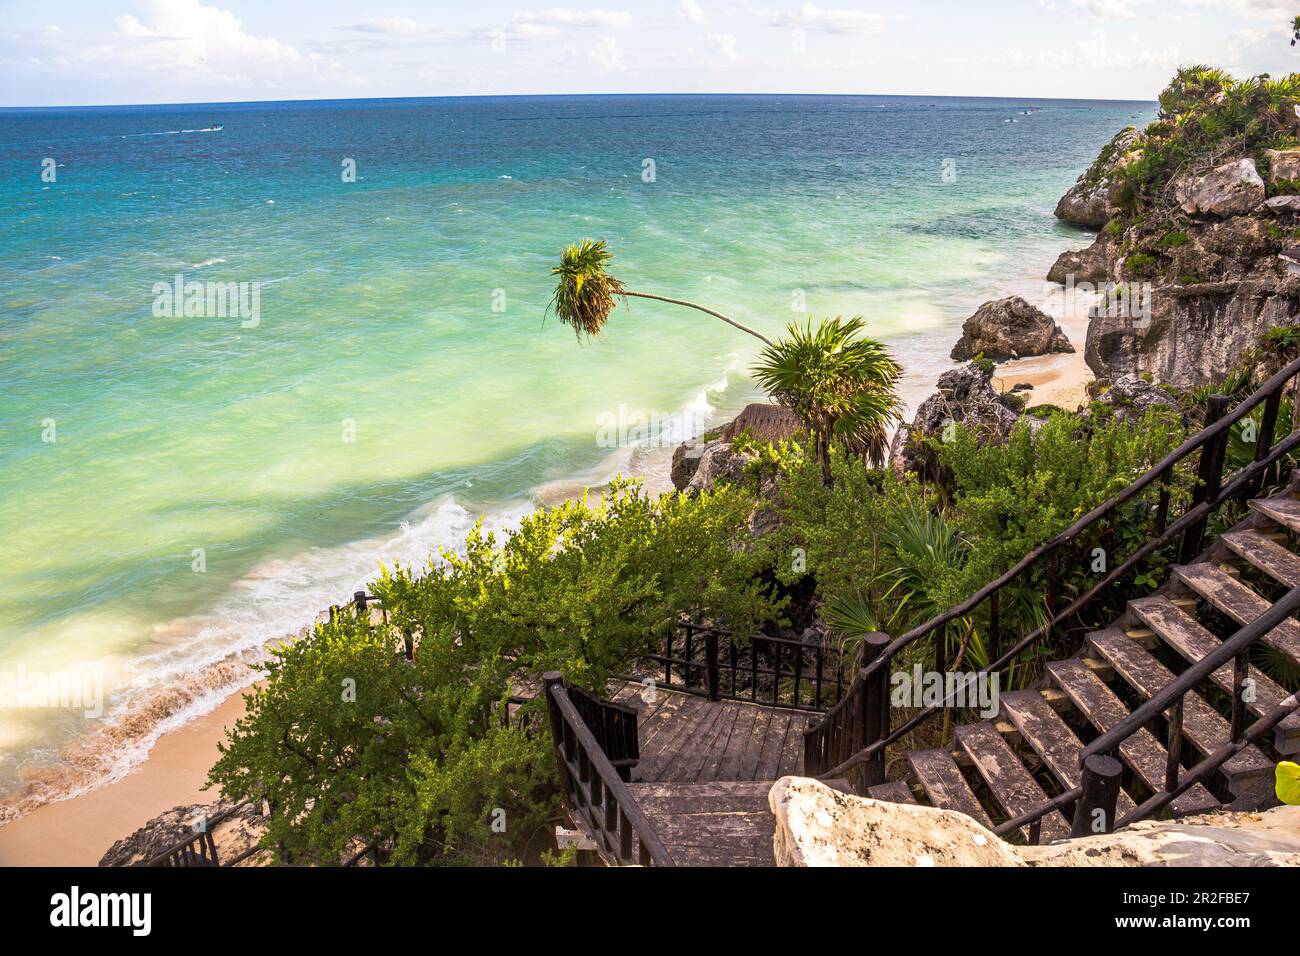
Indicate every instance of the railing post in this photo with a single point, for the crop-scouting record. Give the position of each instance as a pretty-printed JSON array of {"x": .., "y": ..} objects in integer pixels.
[
  {"x": 711, "y": 665},
  {"x": 1209, "y": 476},
  {"x": 1264, "y": 440},
  {"x": 875, "y": 715},
  {"x": 1240, "y": 672},
  {"x": 1175, "y": 744},
  {"x": 1162, "y": 503},
  {"x": 359, "y": 599},
  {"x": 1100, "y": 794},
  {"x": 994, "y": 651}
]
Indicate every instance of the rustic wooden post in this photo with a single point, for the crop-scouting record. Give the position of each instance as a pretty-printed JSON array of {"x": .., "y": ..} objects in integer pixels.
[
  {"x": 875, "y": 715},
  {"x": 359, "y": 599},
  {"x": 1162, "y": 504},
  {"x": 1264, "y": 441},
  {"x": 1209, "y": 476},
  {"x": 995, "y": 626},
  {"x": 711, "y": 665},
  {"x": 1240, "y": 672},
  {"x": 1100, "y": 793},
  {"x": 1175, "y": 744}
]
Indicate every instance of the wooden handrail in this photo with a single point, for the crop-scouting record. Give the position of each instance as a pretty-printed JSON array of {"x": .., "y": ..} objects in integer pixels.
[{"x": 596, "y": 795}]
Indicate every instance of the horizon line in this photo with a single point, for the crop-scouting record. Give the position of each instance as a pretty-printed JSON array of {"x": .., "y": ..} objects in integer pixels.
[{"x": 486, "y": 96}]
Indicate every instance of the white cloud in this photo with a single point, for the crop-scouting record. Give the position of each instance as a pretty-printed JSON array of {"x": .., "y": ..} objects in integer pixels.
[
  {"x": 726, "y": 44},
  {"x": 559, "y": 19},
  {"x": 812, "y": 17},
  {"x": 398, "y": 26},
  {"x": 606, "y": 55},
  {"x": 691, "y": 11},
  {"x": 1108, "y": 9},
  {"x": 191, "y": 39}
]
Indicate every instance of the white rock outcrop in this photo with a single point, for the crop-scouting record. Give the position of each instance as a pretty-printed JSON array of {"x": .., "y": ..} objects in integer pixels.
[
  {"x": 819, "y": 826},
  {"x": 1232, "y": 189}
]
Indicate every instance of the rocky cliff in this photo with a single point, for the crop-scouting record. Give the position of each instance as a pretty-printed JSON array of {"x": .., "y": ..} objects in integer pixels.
[{"x": 1195, "y": 232}]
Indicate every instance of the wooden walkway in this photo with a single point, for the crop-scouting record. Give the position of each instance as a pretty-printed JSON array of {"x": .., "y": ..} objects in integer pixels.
[
  {"x": 688, "y": 739},
  {"x": 705, "y": 772}
]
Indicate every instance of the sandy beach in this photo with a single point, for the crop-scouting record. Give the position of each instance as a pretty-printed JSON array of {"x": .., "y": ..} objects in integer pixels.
[{"x": 77, "y": 832}]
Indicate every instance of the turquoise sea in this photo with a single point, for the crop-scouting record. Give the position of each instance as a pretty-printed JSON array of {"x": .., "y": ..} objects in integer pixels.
[{"x": 177, "y": 490}]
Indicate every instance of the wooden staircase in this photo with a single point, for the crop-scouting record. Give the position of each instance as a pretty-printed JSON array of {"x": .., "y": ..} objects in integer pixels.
[{"x": 1002, "y": 768}]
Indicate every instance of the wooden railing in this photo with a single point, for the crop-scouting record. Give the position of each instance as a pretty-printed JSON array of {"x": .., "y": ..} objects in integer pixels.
[
  {"x": 773, "y": 671},
  {"x": 595, "y": 792},
  {"x": 1209, "y": 495}
]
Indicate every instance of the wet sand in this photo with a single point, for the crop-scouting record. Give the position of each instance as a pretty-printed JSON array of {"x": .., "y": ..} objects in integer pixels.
[{"x": 77, "y": 832}]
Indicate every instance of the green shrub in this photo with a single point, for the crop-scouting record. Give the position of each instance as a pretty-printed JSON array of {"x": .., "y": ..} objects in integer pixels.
[{"x": 349, "y": 740}]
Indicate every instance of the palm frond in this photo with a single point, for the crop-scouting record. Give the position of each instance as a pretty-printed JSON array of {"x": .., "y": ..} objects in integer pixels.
[{"x": 585, "y": 293}]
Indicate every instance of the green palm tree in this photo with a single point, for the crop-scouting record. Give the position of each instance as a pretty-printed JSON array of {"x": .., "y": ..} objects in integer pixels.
[
  {"x": 842, "y": 386},
  {"x": 586, "y": 293}
]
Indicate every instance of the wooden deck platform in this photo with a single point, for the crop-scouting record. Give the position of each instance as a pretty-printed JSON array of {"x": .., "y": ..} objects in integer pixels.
[{"x": 688, "y": 739}]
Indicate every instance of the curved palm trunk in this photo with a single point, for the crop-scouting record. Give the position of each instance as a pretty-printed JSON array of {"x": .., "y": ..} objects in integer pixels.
[{"x": 692, "y": 305}]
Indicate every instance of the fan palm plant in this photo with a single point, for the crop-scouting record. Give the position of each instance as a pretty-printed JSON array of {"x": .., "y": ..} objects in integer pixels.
[
  {"x": 843, "y": 386},
  {"x": 586, "y": 293}
]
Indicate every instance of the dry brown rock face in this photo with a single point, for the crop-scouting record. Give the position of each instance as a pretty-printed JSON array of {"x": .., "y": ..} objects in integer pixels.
[{"x": 818, "y": 826}]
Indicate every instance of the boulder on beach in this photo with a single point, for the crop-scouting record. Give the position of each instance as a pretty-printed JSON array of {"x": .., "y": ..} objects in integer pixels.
[{"x": 1009, "y": 328}]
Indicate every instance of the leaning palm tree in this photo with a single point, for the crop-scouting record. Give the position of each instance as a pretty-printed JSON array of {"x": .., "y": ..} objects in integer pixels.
[
  {"x": 842, "y": 386},
  {"x": 586, "y": 293}
]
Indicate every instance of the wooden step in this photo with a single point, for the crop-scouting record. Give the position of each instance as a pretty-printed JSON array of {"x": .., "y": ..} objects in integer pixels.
[
  {"x": 1202, "y": 724},
  {"x": 1184, "y": 634},
  {"x": 1240, "y": 603},
  {"x": 711, "y": 824},
  {"x": 1052, "y": 739},
  {"x": 1284, "y": 509},
  {"x": 1012, "y": 785},
  {"x": 943, "y": 783},
  {"x": 894, "y": 792},
  {"x": 1141, "y": 750},
  {"x": 1266, "y": 554}
]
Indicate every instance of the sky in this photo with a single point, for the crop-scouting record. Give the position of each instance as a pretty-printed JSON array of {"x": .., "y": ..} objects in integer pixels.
[{"x": 85, "y": 52}]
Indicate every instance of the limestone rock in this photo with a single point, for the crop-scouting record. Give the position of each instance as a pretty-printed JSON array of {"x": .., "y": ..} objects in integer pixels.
[
  {"x": 686, "y": 460},
  {"x": 766, "y": 423},
  {"x": 818, "y": 826},
  {"x": 965, "y": 395},
  {"x": 232, "y": 835},
  {"x": 1009, "y": 328},
  {"x": 1283, "y": 204},
  {"x": 718, "y": 462},
  {"x": 1283, "y": 164},
  {"x": 1091, "y": 200},
  {"x": 1232, "y": 189},
  {"x": 1131, "y": 395},
  {"x": 1092, "y": 264}
]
